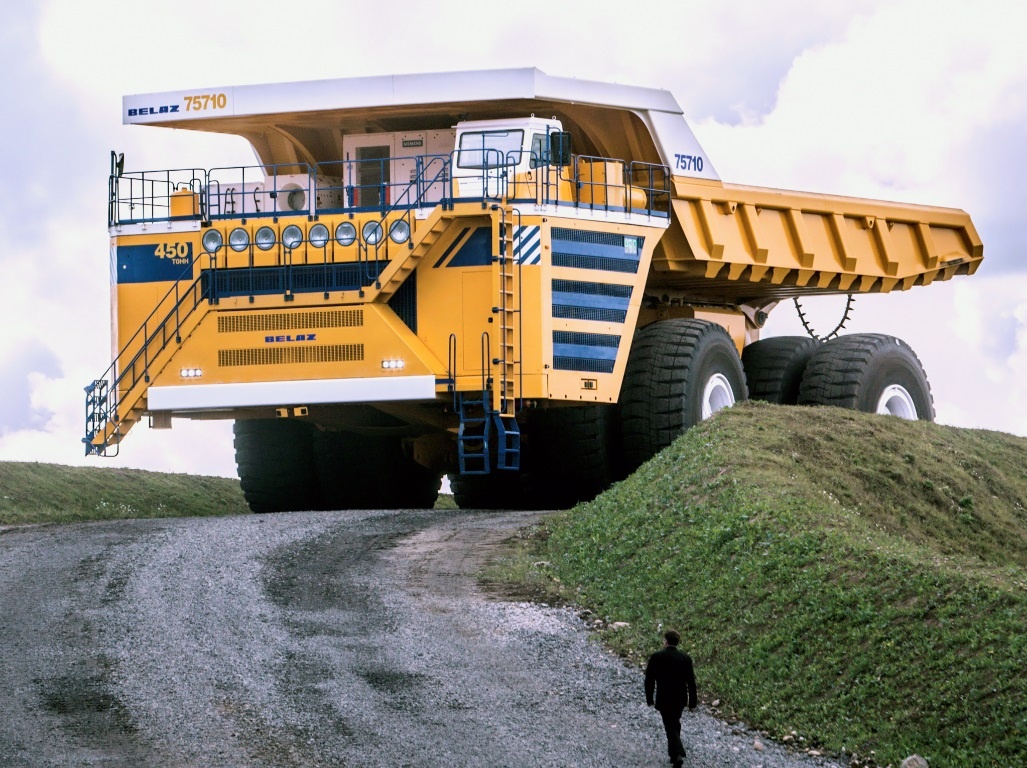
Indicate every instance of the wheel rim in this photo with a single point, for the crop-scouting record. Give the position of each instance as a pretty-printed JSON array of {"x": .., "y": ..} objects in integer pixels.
[
  {"x": 896, "y": 401},
  {"x": 716, "y": 394}
]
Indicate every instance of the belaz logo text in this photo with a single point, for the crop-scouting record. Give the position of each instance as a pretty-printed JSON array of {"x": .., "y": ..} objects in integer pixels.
[
  {"x": 167, "y": 108},
  {"x": 287, "y": 339}
]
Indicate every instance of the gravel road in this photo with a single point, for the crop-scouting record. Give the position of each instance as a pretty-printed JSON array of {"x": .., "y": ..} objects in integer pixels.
[{"x": 322, "y": 639}]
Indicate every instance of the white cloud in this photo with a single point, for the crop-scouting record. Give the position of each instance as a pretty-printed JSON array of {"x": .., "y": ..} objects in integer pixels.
[{"x": 899, "y": 108}]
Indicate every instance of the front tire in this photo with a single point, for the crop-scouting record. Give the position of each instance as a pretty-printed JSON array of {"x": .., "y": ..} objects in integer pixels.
[
  {"x": 275, "y": 458},
  {"x": 679, "y": 372},
  {"x": 868, "y": 372}
]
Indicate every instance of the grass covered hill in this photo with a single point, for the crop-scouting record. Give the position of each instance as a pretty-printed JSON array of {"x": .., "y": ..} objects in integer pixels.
[
  {"x": 858, "y": 580},
  {"x": 52, "y": 493}
]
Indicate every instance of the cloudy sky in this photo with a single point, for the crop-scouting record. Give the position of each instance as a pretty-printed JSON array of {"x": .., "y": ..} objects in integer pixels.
[{"x": 911, "y": 100}]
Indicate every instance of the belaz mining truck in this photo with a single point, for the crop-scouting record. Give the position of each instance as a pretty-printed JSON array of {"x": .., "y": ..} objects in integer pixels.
[{"x": 530, "y": 283}]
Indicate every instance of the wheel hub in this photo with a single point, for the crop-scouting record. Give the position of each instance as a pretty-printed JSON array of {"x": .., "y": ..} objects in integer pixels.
[
  {"x": 716, "y": 394},
  {"x": 896, "y": 401}
]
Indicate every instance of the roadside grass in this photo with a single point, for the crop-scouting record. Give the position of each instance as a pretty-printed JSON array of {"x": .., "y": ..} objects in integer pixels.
[
  {"x": 845, "y": 582},
  {"x": 52, "y": 493},
  {"x": 446, "y": 501}
]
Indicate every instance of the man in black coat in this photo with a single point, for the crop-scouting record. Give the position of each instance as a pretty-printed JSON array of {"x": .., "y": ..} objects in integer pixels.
[{"x": 670, "y": 672}]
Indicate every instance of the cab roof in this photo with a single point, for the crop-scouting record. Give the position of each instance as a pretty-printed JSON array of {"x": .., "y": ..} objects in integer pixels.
[{"x": 303, "y": 121}]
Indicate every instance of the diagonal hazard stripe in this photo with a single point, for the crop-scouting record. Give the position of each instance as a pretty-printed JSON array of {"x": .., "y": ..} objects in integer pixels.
[{"x": 528, "y": 245}]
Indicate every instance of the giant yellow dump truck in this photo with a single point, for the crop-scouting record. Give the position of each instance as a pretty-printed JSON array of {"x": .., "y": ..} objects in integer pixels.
[{"x": 530, "y": 283}]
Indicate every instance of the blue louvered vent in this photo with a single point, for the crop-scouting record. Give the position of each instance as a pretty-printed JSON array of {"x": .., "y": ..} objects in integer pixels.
[
  {"x": 590, "y": 352},
  {"x": 606, "y": 251},
  {"x": 587, "y": 236},
  {"x": 579, "y": 300}
]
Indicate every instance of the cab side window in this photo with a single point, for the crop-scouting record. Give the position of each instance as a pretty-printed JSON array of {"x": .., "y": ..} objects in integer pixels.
[{"x": 538, "y": 150}]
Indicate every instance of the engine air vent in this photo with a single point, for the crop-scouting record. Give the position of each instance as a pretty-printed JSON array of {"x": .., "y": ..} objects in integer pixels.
[
  {"x": 240, "y": 322},
  {"x": 284, "y": 355}
]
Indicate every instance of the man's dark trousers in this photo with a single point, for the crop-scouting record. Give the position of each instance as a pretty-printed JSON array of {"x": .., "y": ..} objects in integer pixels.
[{"x": 672, "y": 724}]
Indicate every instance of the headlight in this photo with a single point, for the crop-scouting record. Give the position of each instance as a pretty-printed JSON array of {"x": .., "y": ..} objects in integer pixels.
[
  {"x": 265, "y": 238},
  {"x": 292, "y": 237},
  {"x": 239, "y": 239},
  {"x": 318, "y": 236},
  {"x": 372, "y": 233},
  {"x": 399, "y": 231},
  {"x": 212, "y": 241},
  {"x": 345, "y": 233}
]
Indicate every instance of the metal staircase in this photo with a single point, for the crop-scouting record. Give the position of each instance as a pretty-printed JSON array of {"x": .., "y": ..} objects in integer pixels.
[
  {"x": 399, "y": 269},
  {"x": 116, "y": 401},
  {"x": 472, "y": 441}
]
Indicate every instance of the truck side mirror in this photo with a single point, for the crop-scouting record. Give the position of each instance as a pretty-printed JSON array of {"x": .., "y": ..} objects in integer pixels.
[{"x": 560, "y": 148}]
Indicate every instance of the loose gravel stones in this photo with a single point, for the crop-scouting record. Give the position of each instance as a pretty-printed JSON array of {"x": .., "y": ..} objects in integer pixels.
[{"x": 312, "y": 639}]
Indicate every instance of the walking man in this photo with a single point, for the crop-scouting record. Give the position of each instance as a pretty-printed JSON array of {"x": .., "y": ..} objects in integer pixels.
[{"x": 670, "y": 672}]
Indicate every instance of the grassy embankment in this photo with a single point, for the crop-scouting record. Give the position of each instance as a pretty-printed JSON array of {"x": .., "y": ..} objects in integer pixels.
[
  {"x": 860, "y": 581},
  {"x": 51, "y": 493}
]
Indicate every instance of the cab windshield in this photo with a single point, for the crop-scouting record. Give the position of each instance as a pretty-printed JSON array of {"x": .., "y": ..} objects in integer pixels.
[{"x": 489, "y": 149}]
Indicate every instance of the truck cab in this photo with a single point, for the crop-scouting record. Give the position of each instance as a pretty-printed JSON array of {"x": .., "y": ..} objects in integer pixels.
[{"x": 492, "y": 154}]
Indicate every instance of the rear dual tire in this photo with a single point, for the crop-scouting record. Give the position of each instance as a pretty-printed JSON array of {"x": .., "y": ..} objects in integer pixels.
[
  {"x": 774, "y": 367},
  {"x": 868, "y": 372}
]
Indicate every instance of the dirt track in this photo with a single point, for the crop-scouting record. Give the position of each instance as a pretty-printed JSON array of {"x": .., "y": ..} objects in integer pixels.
[{"x": 328, "y": 639}]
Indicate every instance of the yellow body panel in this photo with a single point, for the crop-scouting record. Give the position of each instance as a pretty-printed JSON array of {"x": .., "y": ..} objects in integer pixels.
[{"x": 349, "y": 341}]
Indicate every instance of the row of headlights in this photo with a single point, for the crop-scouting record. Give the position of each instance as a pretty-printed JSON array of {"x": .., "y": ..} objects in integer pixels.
[{"x": 292, "y": 236}]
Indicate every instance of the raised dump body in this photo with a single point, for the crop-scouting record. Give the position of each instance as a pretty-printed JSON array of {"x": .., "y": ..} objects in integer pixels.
[
  {"x": 485, "y": 274},
  {"x": 779, "y": 244}
]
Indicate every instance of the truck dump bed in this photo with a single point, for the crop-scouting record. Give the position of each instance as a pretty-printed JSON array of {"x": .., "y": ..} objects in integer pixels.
[{"x": 738, "y": 243}]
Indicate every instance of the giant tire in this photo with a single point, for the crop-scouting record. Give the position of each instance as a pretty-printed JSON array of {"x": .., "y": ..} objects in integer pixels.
[
  {"x": 568, "y": 455},
  {"x": 362, "y": 472},
  {"x": 275, "y": 458},
  {"x": 679, "y": 372},
  {"x": 868, "y": 372},
  {"x": 774, "y": 367}
]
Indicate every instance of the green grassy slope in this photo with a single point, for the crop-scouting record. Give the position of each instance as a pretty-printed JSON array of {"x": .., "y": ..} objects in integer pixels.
[
  {"x": 51, "y": 493},
  {"x": 860, "y": 580}
]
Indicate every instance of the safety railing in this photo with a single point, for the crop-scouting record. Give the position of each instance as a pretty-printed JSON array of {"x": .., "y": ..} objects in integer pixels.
[
  {"x": 366, "y": 185},
  {"x": 148, "y": 196},
  {"x": 252, "y": 191},
  {"x": 591, "y": 182}
]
